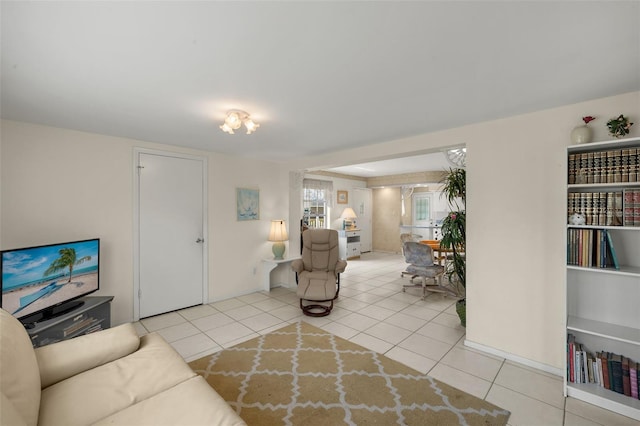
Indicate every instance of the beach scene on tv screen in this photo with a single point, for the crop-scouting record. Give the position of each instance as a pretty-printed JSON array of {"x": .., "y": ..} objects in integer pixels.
[{"x": 39, "y": 277}]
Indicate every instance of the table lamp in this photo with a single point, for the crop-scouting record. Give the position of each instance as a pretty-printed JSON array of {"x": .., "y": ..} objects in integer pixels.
[
  {"x": 348, "y": 216},
  {"x": 278, "y": 235}
]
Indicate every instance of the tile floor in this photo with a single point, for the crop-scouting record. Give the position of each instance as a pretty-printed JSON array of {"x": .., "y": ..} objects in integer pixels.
[{"x": 373, "y": 312}]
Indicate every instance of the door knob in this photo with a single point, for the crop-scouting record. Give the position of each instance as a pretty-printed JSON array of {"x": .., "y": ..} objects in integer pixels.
[{"x": 200, "y": 240}]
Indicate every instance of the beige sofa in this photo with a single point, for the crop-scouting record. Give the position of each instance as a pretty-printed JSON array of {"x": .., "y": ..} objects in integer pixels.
[{"x": 112, "y": 377}]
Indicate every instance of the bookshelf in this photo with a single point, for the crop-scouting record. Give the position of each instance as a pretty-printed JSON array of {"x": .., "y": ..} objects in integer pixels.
[{"x": 602, "y": 300}]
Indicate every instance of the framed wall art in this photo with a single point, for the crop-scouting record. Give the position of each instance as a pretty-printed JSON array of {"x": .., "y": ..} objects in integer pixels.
[
  {"x": 247, "y": 204},
  {"x": 343, "y": 197}
]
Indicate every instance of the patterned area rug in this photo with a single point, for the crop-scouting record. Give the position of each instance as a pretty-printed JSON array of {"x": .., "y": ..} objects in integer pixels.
[{"x": 303, "y": 375}]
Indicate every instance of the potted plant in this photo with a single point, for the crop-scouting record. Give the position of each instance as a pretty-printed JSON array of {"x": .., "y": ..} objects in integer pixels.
[
  {"x": 454, "y": 236},
  {"x": 619, "y": 126}
]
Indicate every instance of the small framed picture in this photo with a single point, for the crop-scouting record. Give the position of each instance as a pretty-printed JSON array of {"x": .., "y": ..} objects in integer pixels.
[
  {"x": 343, "y": 197},
  {"x": 247, "y": 204}
]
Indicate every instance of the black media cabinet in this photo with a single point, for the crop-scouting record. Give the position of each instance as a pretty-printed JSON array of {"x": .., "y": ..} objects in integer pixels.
[{"x": 93, "y": 315}]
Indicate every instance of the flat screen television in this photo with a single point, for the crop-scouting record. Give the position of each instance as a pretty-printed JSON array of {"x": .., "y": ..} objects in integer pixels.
[{"x": 41, "y": 282}]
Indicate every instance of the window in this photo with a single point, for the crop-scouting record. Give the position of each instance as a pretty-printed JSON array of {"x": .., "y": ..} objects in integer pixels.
[
  {"x": 316, "y": 201},
  {"x": 421, "y": 209}
]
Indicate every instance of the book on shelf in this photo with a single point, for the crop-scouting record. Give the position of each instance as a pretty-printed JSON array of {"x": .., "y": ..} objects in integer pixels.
[
  {"x": 599, "y": 368},
  {"x": 612, "y": 250},
  {"x": 614, "y": 208},
  {"x": 633, "y": 374},
  {"x": 604, "y": 371},
  {"x": 571, "y": 341},
  {"x": 616, "y": 369},
  {"x": 631, "y": 207},
  {"x": 591, "y": 248},
  {"x": 609, "y": 166},
  {"x": 610, "y": 371},
  {"x": 607, "y": 360},
  {"x": 626, "y": 377}
]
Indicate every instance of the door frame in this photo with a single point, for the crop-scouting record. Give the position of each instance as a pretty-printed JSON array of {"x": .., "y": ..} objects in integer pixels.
[{"x": 136, "y": 222}]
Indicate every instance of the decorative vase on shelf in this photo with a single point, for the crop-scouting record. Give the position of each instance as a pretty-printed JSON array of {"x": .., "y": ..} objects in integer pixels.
[{"x": 581, "y": 134}]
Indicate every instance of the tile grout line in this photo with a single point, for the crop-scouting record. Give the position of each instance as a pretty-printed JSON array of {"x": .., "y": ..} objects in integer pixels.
[{"x": 360, "y": 288}]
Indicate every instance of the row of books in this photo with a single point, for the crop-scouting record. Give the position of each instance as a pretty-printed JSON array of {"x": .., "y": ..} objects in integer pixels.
[
  {"x": 631, "y": 207},
  {"x": 591, "y": 248},
  {"x": 598, "y": 208},
  {"x": 612, "y": 166},
  {"x": 605, "y": 369},
  {"x": 618, "y": 208}
]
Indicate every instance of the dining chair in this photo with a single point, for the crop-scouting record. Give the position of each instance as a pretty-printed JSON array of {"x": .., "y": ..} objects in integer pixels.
[
  {"x": 421, "y": 264},
  {"x": 404, "y": 237}
]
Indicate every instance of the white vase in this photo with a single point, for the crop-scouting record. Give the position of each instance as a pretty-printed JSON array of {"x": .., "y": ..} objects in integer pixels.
[{"x": 581, "y": 134}]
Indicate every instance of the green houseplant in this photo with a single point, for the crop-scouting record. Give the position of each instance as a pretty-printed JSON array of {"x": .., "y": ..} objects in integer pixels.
[
  {"x": 454, "y": 236},
  {"x": 619, "y": 126}
]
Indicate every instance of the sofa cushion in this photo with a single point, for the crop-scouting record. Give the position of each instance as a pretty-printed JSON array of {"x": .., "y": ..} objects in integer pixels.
[
  {"x": 19, "y": 375},
  {"x": 317, "y": 285},
  {"x": 70, "y": 357},
  {"x": 8, "y": 413},
  {"x": 189, "y": 403},
  {"x": 112, "y": 387}
]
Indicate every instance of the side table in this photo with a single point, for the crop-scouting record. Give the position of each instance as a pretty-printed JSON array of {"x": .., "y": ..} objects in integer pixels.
[{"x": 269, "y": 265}]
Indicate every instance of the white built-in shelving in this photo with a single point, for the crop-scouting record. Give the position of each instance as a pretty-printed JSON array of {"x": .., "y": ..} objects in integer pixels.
[{"x": 603, "y": 304}]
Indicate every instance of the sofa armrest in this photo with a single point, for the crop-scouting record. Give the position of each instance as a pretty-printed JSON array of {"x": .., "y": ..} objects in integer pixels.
[
  {"x": 62, "y": 360},
  {"x": 341, "y": 266},
  {"x": 297, "y": 265}
]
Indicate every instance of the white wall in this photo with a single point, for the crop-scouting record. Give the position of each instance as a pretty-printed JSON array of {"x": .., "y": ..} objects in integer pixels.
[
  {"x": 238, "y": 247},
  {"x": 516, "y": 206},
  {"x": 2, "y": 178},
  {"x": 60, "y": 185}
]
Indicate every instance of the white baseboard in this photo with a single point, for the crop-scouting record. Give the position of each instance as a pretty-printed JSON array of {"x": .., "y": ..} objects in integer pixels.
[{"x": 515, "y": 358}]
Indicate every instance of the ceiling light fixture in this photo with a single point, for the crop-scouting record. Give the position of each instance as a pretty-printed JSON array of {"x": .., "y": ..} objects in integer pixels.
[{"x": 235, "y": 119}]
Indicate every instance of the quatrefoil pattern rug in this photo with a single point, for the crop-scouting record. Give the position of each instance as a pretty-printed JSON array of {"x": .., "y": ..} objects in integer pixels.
[{"x": 303, "y": 375}]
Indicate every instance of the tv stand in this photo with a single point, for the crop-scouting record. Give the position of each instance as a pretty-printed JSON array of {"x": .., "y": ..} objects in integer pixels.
[
  {"x": 82, "y": 316},
  {"x": 52, "y": 312}
]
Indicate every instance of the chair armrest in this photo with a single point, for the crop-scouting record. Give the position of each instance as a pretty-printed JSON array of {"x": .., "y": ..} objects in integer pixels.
[
  {"x": 62, "y": 360},
  {"x": 297, "y": 265},
  {"x": 341, "y": 266}
]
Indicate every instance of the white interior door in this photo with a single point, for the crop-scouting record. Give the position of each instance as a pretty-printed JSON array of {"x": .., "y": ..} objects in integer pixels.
[
  {"x": 362, "y": 202},
  {"x": 171, "y": 226}
]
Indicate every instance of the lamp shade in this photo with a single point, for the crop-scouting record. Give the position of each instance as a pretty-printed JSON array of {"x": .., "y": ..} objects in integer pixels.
[
  {"x": 278, "y": 234},
  {"x": 348, "y": 213},
  {"x": 278, "y": 231}
]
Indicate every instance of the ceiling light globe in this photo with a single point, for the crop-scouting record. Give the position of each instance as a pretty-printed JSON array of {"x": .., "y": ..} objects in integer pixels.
[
  {"x": 225, "y": 128},
  {"x": 233, "y": 120},
  {"x": 250, "y": 125}
]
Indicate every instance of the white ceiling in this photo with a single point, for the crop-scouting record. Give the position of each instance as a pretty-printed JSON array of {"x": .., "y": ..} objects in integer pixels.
[
  {"x": 317, "y": 76},
  {"x": 427, "y": 162}
]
